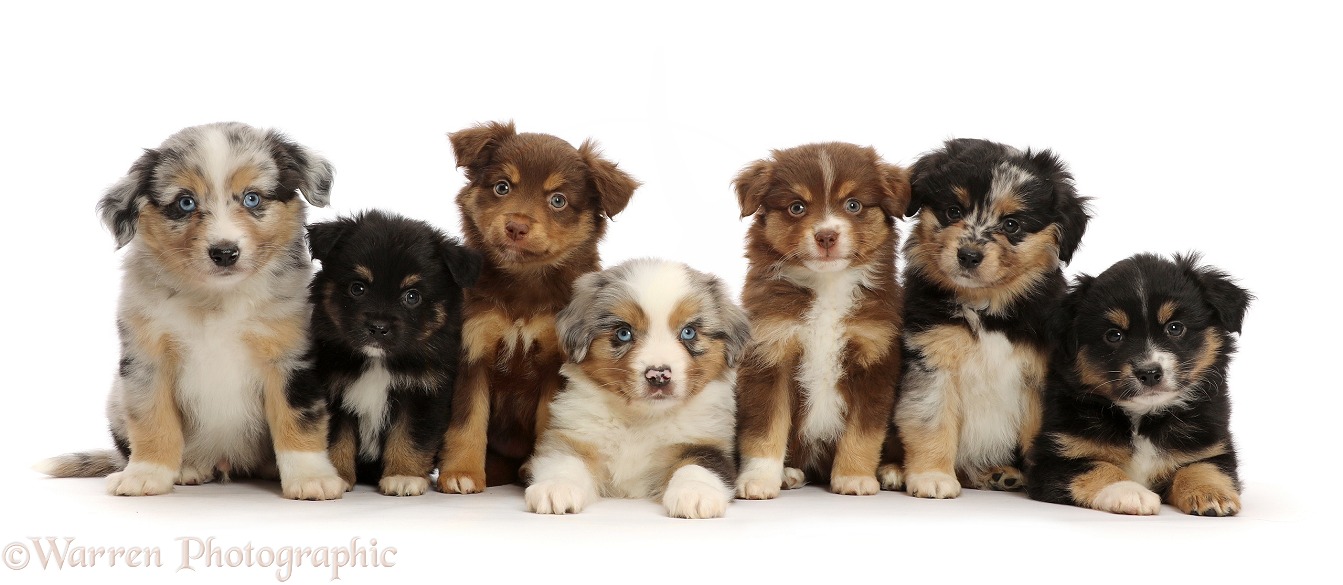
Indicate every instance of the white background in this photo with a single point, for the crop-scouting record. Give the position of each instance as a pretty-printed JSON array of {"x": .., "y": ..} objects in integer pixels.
[{"x": 1199, "y": 127}]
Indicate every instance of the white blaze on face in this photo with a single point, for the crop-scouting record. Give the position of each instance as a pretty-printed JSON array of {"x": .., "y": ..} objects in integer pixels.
[
  {"x": 219, "y": 161},
  {"x": 1166, "y": 393},
  {"x": 658, "y": 289}
]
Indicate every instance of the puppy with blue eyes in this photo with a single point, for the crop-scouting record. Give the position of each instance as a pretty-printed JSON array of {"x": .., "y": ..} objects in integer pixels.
[
  {"x": 648, "y": 407},
  {"x": 1137, "y": 410}
]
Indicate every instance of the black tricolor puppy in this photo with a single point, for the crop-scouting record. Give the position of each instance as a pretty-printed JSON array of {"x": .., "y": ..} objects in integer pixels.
[
  {"x": 387, "y": 327},
  {"x": 1137, "y": 409}
]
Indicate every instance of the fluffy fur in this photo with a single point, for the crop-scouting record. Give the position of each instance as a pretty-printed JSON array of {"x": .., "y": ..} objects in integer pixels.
[
  {"x": 1137, "y": 410},
  {"x": 982, "y": 277},
  {"x": 536, "y": 208},
  {"x": 817, "y": 385},
  {"x": 647, "y": 409},
  {"x": 213, "y": 318},
  {"x": 386, "y": 330}
]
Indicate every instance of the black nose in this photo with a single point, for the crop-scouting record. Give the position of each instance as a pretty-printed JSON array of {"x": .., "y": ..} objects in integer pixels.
[
  {"x": 658, "y": 376},
  {"x": 225, "y": 254},
  {"x": 378, "y": 327},
  {"x": 969, "y": 258},
  {"x": 1148, "y": 374}
]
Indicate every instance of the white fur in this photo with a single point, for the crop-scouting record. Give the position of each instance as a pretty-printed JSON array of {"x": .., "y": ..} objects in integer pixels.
[
  {"x": 854, "y": 485},
  {"x": 1127, "y": 497},
  {"x": 141, "y": 479},
  {"x": 827, "y": 171},
  {"x": 993, "y": 404},
  {"x": 1165, "y": 395},
  {"x": 308, "y": 475},
  {"x": 403, "y": 485},
  {"x": 367, "y": 398},
  {"x": 793, "y": 478},
  {"x": 1144, "y": 462},
  {"x": 695, "y": 492},
  {"x": 760, "y": 478},
  {"x": 561, "y": 484},
  {"x": 932, "y": 484}
]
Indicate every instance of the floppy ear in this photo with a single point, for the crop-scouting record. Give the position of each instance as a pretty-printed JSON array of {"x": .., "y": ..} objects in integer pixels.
[
  {"x": 323, "y": 237},
  {"x": 1063, "y": 322},
  {"x": 120, "y": 206},
  {"x": 474, "y": 146},
  {"x": 752, "y": 184},
  {"x": 895, "y": 190},
  {"x": 920, "y": 177},
  {"x": 574, "y": 327},
  {"x": 302, "y": 169},
  {"x": 1227, "y": 300},
  {"x": 464, "y": 263},
  {"x": 736, "y": 326},
  {"x": 1070, "y": 209},
  {"x": 614, "y": 187}
]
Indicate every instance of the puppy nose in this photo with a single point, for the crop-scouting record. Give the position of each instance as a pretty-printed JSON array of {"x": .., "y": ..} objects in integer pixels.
[
  {"x": 224, "y": 254},
  {"x": 658, "y": 376},
  {"x": 378, "y": 327},
  {"x": 517, "y": 230},
  {"x": 1149, "y": 374},
  {"x": 826, "y": 238},
  {"x": 969, "y": 258}
]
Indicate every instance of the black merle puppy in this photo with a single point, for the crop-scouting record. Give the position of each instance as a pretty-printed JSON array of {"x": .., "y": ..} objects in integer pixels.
[
  {"x": 1137, "y": 410},
  {"x": 386, "y": 325}
]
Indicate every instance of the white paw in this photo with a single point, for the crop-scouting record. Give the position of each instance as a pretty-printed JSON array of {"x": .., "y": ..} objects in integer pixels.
[
  {"x": 403, "y": 485},
  {"x": 793, "y": 478},
  {"x": 555, "y": 497},
  {"x": 1127, "y": 497},
  {"x": 460, "y": 483},
  {"x": 141, "y": 479},
  {"x": 891, "y": 477},
  {"x": 195, "y": 475},
  {"x": 932, "y": 484},
  {"x": 695, "y": 492},
  {"x": 760, "y": 479},
  {"x": 308, "y": 476},
  {"x": 854, "y": 485}
]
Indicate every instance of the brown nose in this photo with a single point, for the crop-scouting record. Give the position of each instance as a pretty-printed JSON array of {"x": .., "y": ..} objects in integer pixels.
[
  {"x": 517, "y": 230},
  {"x": 827, "y": 238}
]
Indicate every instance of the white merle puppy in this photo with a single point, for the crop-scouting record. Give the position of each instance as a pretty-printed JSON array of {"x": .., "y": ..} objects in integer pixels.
[
  {"x": 213, "y": 318},
  {"x": 648, "y": 407}
]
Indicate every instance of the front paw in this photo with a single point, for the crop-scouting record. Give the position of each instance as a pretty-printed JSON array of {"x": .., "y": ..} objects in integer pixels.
[
  {"x": 891, "y": 477},
  {"x": 793, "y": 478},
  {"x": 555, "y": 497},
  {"x": 1127, "y": 497},
  {"x": 854, "y": 485},
  {"x": 1003, "y": 479},
  {"x": 1207, "y": 500},
  {"x": 141, "y": 479},
  {"x": 403, "y": 485},
  {"x": 461, "y": 482},
  {"x": 309, "y": 476},
  {"x": 696, "y": 493},
  {"x": 932, "y": 484},
  {"x": 760, "y": 479},
  {"x": 195, "y": 475}
]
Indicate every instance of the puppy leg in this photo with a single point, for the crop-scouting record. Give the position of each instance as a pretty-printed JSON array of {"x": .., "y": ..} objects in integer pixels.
[
  {"x": 700, "y": 483},
  {"x": 561, "y": 477},
  {"x": 343, "y": 448},
  {"x": 1107, "y": 488},
  {"x": 1004, "y": 478},
  {"x": 928, "y": 417},
  {"x": 153, "y": 423},
  {"x": 299, "y": 431},
  {"x": 406, "y": 465},
  {"x": 763, "y": 407},
  {"x": 1203, "y": 489},
  {"x": 871, "y": 397},
  {"x": 462, "y": 460}
]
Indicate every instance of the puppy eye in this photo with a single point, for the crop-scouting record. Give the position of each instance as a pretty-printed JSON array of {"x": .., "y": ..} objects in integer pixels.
[
  {"x": 558, "y": 201},
  {"x": 1011, "y": 226},
  {"x": 186, "y": 203},
  {"x": 853, "y": 206},
  {"x": 1114, "y": 336},
  {"x": 624, "y": 335},
  {"x": 251, "y": 199},
  {"x": 1175, "y": 329},
  {"x": 357, "y": 289},
  {"x": 954, "y": 213},
  {"x": 410, "y": 298},
  {"x": 502, "y": 188},
  {"x": 687, "y": 333},
  {"x": 797, "y": 208}
]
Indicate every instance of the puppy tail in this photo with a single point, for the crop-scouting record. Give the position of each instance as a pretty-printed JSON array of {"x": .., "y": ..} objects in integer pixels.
[{"x": 88, "y": 464}]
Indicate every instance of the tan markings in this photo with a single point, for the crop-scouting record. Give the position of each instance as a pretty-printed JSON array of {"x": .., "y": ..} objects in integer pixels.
[
  {"x": 463, "y": 454},
  {"x": 410, "y": 281},
  {"x": 944, "y": 346},
  {"x": 435, "y": 323},
  {"x": 553, "y": 182},
  {"x": 771, "y": 441},
  {"x": 773, "y": 341},
  {"x": 1203, "y": 488},
  {"x": 1033, "y": 370},
  {"x": 1118, "y": 318},
  {"x": 1166, "y": 311},
  {"x": 588, "y": 453},
  {"x": 802, "y": 192},
  {"x": 288, "y": 430},
  {"x": 631, "y": 312},
  {"x": 192, "y": 180},
  {"x": 962, "y": 195},
  {"x": 283, "y": 340},
  {"x": 858, "y": 452},
  {"x": 1212, "y": 347},
  {"x": 177, "y": 246},
  {"x": 481, "y": 335},
  {"x": 930, "y": 443},
  {"x": 329, "y": 304},
  {"x": 1085, "y": 487},
  {"x": 242, "y": 178},
  {"x": 154, "y": 429},
  {"x": 707, "y": 367},
  {"x": 1006, "y": 205},
  {"x": 271, "y": 234},
  {"x": 1094, "y": 376},
  {"x": 1074, "y": 447},
  {"x": 342, "y": 453},
  {"x": 870, "y": 341},
  {"x": 364, "y": 273},
  {"x": 1008, "y": 273},
  {"x": 683, "y": 313},
  {"x": 511, "y": 172},
  {"x": 400, "y": 454},
  {"x": 844, "y": 190}
]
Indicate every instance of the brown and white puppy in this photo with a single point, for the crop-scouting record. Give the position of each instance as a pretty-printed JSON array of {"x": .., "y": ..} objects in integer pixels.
[
  {"x": 535, "y": 207},
  {"x": 818, "y": 382},
  {"x": 213, "y": 318},
  {"x": 982, "y": 279},
  {"x": 647, "y": 409}
]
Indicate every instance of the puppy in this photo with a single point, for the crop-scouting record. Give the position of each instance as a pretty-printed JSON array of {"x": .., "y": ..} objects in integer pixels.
[
  {"x": 386, "y": 330},
  {"x": 212, "y": 318},
  {"x": 647, "y": 409},
  {"x": 1137, "y": 410},
  {"x": 982, "y": 277},
  {"x": 535, "y": 207},
  {"x": 818, "y": 382}
]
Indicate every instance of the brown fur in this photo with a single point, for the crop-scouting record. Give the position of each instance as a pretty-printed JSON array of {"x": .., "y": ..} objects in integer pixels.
[{"x": 1202, "y": 488}]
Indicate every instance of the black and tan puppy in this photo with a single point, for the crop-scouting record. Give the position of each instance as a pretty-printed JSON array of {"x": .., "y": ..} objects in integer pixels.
[
  {"x": 982, "y": 278},
  {"x": 1137, "y": 410},
  {"x": 386, "y": 327}
]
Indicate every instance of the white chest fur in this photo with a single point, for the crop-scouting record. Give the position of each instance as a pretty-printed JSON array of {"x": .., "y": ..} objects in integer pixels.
[
  {"x": 366, "y": 398},
  {"x": 993, "y": 402},
  {"x": 1146, "y": 461},
  {"x": 822, "y": 340}
]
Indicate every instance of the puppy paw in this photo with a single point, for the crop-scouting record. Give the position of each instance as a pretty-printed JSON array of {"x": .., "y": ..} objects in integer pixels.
[
  {"x": 461, "y": 482},
  {"x": 793, "y": 478},
  {"x": 1003, "y": 479},
  {"x": 1127, "y": 497},
  {"x": 694, "y": 492},
  {"x": 309, "y": 476},
  {"x": 403, "y": 485},
  {"x": 555, "y": 497},
  {"x": 854, "y": 485},
  {"x": 891, "y": 477},
  {"x": 932, "y": 484},
  {"x": 1207, "y": 500},
  {"x": 141, "y": 479},
  {"x": 194, "y": 475}
]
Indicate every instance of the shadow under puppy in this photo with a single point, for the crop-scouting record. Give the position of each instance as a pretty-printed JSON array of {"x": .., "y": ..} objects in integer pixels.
[
  {"x": 1137, "y": 410},
  {"x": 212, "y": 318},
  {"x": 535, "y": 207},
  {"x": 982, "y": 278},
  {"x": 819, "y": 380},
  {"x": 386, "y": 327},
  {"x": 648, "y": 408}
]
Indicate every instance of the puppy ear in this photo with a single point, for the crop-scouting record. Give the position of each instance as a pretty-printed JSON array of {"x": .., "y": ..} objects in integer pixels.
[
  {"x": 920, "y": 178},
  {"x": 1070, "y": 209},
  {"x": 303, "y": 170},
  {"x": 323, "y": 237},
  {"x": 736, "y": 326},
  {"x": 752, "y": 184},
  {"x": 475, "y": 146},
  {"x": 895, "y": 190},
  {"x": 1063, "y": 322},
  {"x": 574, "y": 326},
  {"x": 464, "y": 263},
  {"x": 1227, "y": 300},
  {"x": 120, "y": 206},
  {"x": 614, "y": 187}
]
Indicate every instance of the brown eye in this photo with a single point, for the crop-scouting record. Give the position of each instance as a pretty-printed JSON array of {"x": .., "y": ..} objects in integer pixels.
[
  {"x": 797, "y": 209},
  {"x": 1114, "y": 336},
  {"x": 502, "y": 188},
  {"x": 357, "y": 289},
  {"x": 954, "y": 213},
  {"x": 853, "y": 206},
  {"x": 1011, "y": 226},
  {"x": 1175, "y": 329},
  {"x": 558, "y": 201}
]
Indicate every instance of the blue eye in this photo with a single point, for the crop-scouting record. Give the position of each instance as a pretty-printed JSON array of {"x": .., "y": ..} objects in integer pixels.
[
  {"x": 624, "y": 334},
  {"x": 687, "y": 333},
  {"x": 187, "y": 204},
  {"x": 251, "y": 199}
]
